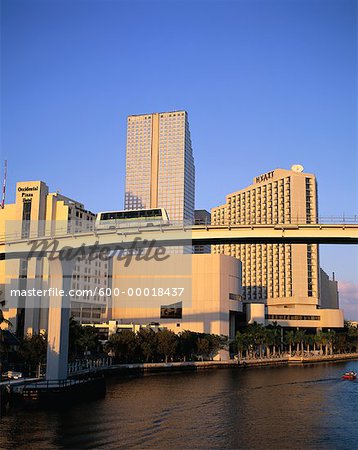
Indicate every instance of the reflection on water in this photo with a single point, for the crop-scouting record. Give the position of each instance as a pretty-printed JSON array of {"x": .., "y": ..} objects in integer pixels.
[{"x": 268, "y": 408}]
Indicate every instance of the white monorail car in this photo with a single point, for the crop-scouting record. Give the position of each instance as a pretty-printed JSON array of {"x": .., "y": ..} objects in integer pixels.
[{"x": 133, "y": 217}]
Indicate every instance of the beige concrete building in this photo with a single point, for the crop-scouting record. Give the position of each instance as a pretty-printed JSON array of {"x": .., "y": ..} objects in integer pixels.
[
  {"x": 283, "y": 277},
  {"x": 202, "y": 217},
  {"x": 201, "y": 293},
  {"x": 37, "y": 212},
  {"x": 160, "y": 171},
  {"x": 329, "y": 291}
]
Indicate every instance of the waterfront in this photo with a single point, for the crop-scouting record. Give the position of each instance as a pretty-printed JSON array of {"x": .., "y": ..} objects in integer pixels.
[{"x": 275, "y": 407}]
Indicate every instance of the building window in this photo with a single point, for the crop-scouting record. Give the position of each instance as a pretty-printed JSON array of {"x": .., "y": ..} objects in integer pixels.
[
  {"x": 291, "y": 317},
  {"x": 26, "y": 216},
  {"x": 173, "y": 311}
]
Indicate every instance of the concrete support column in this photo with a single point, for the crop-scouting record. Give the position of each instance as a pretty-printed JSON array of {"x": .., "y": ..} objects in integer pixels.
[
  {"x": 58, "y": 320},
  {"x": 33, "y": 303}
]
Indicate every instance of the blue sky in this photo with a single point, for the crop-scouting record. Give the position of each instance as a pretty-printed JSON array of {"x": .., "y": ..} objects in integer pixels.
[{"x": 266, "y": 84}]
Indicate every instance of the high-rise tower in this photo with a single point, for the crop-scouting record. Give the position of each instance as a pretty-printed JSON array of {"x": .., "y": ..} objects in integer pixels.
[{"x": 160, "y": 171}]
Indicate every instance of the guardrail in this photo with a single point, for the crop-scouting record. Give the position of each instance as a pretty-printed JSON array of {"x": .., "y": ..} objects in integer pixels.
[
  {"x": 41, "y": 230},
  {"x": 88, "y": 365},
  {"x": 51, "y": 384}
]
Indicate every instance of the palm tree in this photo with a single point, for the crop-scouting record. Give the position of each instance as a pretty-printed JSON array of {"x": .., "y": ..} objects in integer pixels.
[
  {"x": 314, "y": 341},
  {"x": 324, "y": 338},
  {"x": 259, "y": 340},
  {"x": 268, "y": 341},
  {"x": 308, "y": 341},
  {"x": 276, "y": 334},
  {"x": 250, "y": 340},
  {"x": 299, "y": 339},
  {"x": 290, "y": 339},
  {"x": 257, "y": 331},
  {"x": 241, "y": 343},
  {"x": 331, "y": 337},
  {"x": 319, "y": 341}
]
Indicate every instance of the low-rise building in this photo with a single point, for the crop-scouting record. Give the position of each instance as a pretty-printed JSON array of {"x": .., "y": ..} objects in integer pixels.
[{"x": 200, "y": 293}]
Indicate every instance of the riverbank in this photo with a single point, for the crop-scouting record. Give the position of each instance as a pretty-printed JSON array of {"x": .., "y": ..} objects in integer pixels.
[
  {"x": 324, "y": 358},
  {"x": 89, "y": 384},
  {"x": 148, "y": 368}
]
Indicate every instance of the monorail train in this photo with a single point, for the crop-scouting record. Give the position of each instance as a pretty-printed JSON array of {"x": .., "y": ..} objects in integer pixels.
[{"x": 133, "y": 217}]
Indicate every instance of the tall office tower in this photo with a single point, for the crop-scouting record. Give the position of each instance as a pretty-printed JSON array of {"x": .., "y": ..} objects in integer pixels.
[
  {"x": 283, "y": 278},
  {"x": 160, "y": 171}
]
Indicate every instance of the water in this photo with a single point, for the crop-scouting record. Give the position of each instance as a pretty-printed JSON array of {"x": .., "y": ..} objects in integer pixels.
[{"x": 268, "y": 408}]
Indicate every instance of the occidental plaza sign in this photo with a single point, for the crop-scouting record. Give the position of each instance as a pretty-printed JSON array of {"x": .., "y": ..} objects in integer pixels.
[
  {"x": 264, "y": 177},
  {"x": 27, "y": 191}
]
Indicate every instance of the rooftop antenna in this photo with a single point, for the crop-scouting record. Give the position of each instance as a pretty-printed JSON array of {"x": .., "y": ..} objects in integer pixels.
[{"x": 4, "y": 185}]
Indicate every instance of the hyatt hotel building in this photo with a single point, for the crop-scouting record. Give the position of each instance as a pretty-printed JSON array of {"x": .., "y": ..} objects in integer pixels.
[{"x": 282, "y": 283}]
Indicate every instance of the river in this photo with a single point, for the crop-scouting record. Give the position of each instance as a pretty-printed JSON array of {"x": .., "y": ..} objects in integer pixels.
[{"x": 296, "y": 407}]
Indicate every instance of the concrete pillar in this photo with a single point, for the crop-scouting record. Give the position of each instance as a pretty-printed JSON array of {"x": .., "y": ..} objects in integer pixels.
[
  {"x": 33, "y": 303},
  {"x": 58, "y": 320}
]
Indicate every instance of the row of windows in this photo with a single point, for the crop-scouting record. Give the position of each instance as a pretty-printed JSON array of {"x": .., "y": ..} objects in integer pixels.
[
  {"x": 91, "y": 263},
  {"x": 291, "y": 317}
]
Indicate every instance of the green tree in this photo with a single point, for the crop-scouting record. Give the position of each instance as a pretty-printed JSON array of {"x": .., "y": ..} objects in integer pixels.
[
  {"x": 167, "y": 342},
  {"x": 187, "y": 344},
  {"x": 33, "y": 351},
  {"x": 216, "y": 343},
  {"x": 87, "y": 340},
  {"x": 342, "y": 342},
  {"x": 74, "y": 335},
  {"x": 147, "y": 344},
  {"x": 202, "y": 347},
  {"x": 241, "y": 344},
  {"x": 123, "y": 346},
  {"x": 352, "y": 337}
]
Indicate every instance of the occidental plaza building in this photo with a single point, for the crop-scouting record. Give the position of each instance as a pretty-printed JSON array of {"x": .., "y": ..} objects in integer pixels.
[
  {"x": 281, "y": 282},
  {"x": 37, "y": 212}
]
